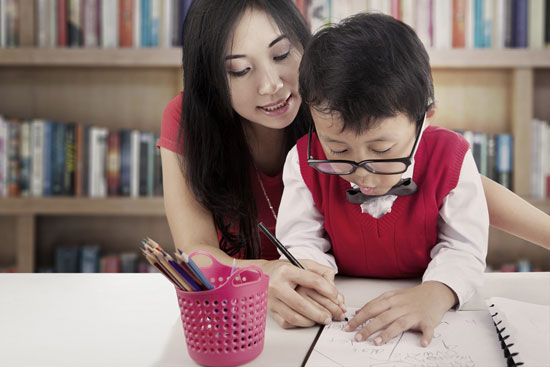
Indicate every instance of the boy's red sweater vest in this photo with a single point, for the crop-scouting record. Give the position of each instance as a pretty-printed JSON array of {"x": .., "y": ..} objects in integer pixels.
[{"x": 399, "y": 243}]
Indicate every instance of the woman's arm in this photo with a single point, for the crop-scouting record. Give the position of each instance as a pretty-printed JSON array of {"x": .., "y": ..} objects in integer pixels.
[
  {"x": 512, "y": 214},
  {"x": 192, "y": 228}
]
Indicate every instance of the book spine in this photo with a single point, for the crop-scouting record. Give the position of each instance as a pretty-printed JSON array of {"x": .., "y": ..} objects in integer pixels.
[
  {"x": 424, "y": 22},
  {"x": 137, "y": 23},
  {"x": 66, "y": 259},
  {"x": 109, "y": 23},
  {"x": 165, "y": 36},
  {"x": 70, "y": 159},
  {"x": 155, "y": 23},
  {"x": 14, "y": 142},
  {"x": 442, "y": 22},
  {"x": 150, "y": 164},
  {"x": 176, "y": 26},
  {"x": 520, "y": 23},
  {"x": 143, "y": 163},
  {"x": 74, "y": 30},
  {"x": 62, "y": 23},
  {"x": 79, "y": 158},
  {"x": 52, "y": 24},
  {"x": 157, "y": 169},
  {"x": 58, "y": 158},
  {"x": 47, "y": 159},
  {"x": 3, "y": 154},
  {"x": 478, "y": 24},
  {"x": 459, "y": 23},
  {"x": 113, "y": 163},
  {"x": 86, "y": 138},
  {"x": 37, "y": 176},
  {"x": 42, "y": 17},
  {"x": 135, "y": 163},
  {"x": 536, "y": 24},
  {"x": 11, "y": 27},
  {"x": 89, "y": 259},
  {"x": 126, "y": 23},
  {"x": 25, "y": 159},
  {"x": 125, "y": 162},
  {"x": 504, "y": 159},
  {"x": 90, "y": 23}
]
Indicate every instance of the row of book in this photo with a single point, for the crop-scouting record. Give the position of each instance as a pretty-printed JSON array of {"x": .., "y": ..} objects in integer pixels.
[
  {"x": 92, "y": 23},
  {"x": 446, "y": 24},
  {"x": 89, "y": 259},
  {"x": 540, "y": 159},
  {"x": 522, "y": 265},
  {"x": 493, "y": 154},
  {"x": 46, "y": 158}
]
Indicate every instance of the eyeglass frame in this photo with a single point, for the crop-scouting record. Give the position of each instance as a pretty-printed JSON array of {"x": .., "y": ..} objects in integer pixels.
[{"x": 406, "y": 160}]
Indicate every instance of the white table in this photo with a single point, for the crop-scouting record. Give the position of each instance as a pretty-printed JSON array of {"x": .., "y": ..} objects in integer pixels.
[{"x": 133, "y": 319}]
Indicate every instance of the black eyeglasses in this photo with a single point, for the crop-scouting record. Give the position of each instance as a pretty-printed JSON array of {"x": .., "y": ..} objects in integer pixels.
[{"x": 378, "y": 166}]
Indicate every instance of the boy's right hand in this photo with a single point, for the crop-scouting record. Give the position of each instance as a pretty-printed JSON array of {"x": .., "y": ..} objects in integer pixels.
[{"x": 301, "y": 298}]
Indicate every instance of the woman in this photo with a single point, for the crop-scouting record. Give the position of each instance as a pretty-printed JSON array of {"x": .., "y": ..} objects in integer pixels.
[{"x": 240, "y": 114}]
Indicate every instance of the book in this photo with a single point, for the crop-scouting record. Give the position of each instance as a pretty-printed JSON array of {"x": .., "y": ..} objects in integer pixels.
[
  {"x": 3, "y": 157},
  {"x": 109, "y": 23},
  {"x": 90, "y": 23},
  {"x": 126, "y": 23},
  {"x": 61, "y": 21},
  {"x": 89, "y": 259},
  {"x": 523, "y": 330},
  {"x": 74, "y": 27},
  {"x": 66, "y": 259},
  {"x": 504, "y": 160},
  {"x": 459, "y": 23},
  {"x": 536, "y": 19},
  {"x": 462, "y": 338},
  {"x": 519, "y": 23}
]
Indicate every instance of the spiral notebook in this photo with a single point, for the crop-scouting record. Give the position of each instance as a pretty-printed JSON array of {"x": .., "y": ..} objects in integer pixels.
[
  {"x": 523, "y": 330},
  {"x": 463, "y": 338}
]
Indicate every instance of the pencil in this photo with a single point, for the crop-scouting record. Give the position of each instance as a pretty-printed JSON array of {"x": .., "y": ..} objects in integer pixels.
[
  {"x": 283, "y": 249},
  {"x": 196, "y": 270},
  {"x": 185, "y": 267},
  {"x": 152, "y": 260},
  {"x": 166, "y": 265},
  {"x": 280, "y": 246}
]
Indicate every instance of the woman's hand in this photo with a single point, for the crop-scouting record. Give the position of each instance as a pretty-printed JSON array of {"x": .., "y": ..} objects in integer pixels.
[
  {"x": 418, "y": 308},
  {"x": 299, "y": 297}
]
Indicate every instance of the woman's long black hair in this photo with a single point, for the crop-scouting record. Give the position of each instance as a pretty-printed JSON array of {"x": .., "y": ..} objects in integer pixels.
[{"x": 217, "y": 159}]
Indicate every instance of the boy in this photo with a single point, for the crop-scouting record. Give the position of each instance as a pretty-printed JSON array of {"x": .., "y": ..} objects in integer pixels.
[{"x": 375, "y": 192}]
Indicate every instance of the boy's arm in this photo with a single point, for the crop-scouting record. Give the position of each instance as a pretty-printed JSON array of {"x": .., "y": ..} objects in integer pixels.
[
  {"x": 457, "y": 265},
  {"x": 458, "y": 259},
  {"x": 300, "y": 226}
]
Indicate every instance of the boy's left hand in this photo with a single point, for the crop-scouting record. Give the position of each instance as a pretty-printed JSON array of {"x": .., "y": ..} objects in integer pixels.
[{"x": 418, "y": 308}]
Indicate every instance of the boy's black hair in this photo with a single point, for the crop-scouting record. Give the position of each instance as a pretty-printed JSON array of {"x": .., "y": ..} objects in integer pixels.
[{"x": 370, "y": 66}]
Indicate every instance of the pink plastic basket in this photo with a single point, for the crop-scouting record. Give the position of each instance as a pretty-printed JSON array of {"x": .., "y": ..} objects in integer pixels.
[{"x": 225, "y": 326}]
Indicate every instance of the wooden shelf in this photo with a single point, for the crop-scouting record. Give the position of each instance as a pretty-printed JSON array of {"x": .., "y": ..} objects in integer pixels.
[
  {"x": 490, "y": 58},
  {"x": 171, "y": 58},
  {"x": 91, "y": 57},
  {"x": 83, "y": 206}
]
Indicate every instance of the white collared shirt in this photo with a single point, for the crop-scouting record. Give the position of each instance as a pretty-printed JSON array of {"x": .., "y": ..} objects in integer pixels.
[{"x": 458, "y": 259}]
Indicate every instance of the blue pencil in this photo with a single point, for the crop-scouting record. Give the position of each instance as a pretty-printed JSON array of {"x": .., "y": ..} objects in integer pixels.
[
  {"x": 196, "y": 270},
  {"x": 184, "y": 274}
]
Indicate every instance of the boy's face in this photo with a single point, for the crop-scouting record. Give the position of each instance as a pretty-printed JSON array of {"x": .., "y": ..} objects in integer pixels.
[{"x": 391, "y": 138}]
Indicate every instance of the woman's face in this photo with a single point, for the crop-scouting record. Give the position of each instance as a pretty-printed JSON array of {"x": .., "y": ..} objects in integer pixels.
[{"x": 262, "y": 70}]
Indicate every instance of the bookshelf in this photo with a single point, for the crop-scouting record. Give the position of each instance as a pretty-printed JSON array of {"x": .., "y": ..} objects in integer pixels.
[{"x": 485, "y": 90}]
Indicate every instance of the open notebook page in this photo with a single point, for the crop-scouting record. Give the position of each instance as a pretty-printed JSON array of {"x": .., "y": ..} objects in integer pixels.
[
  {"x": 463, "y": 338},
  {"x": 528, "y": 327}
]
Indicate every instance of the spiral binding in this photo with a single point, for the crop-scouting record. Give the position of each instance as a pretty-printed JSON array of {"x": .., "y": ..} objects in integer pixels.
[{"x": 505, "y": 347}]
